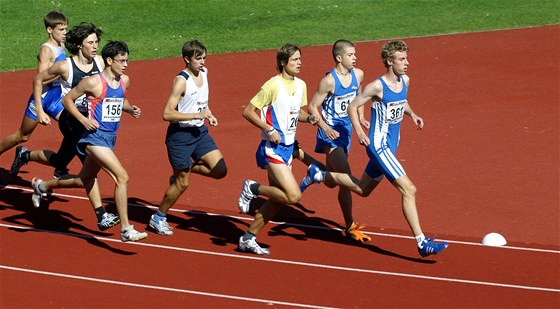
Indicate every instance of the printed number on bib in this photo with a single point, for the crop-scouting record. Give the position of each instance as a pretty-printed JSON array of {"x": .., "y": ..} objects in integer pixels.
[
  {"x": 112, "y": 109},
  {"x": 395, "y": 111},
  {"x": 341, "y": 104}
]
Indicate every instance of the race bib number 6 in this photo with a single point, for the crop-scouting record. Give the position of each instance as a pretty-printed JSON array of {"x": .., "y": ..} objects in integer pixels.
[
  {"x": 112, "y": 109},
  {"x": 395, "y": 111}
]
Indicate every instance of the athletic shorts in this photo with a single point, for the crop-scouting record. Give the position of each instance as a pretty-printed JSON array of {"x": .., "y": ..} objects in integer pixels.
[
  {"x": 383, "y": 162},
  {"x": 52, "y": 103},
  {"x": 342, "y": 141},
  {"x": 186, "y": 145},
  {"x": 97, "y": 138},
  {"x": 274, "y": 153}
]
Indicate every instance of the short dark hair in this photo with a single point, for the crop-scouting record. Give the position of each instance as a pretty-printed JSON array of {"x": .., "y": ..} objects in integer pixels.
[
  {"x": 112, "y": 49},
  {"x": 193, "y": 48},
  {"x": 76, "y": 36},
  {"x": 339, "y": 46},
  {"x": 55, "y": 18},
  {"x": 284, "y": 53}
]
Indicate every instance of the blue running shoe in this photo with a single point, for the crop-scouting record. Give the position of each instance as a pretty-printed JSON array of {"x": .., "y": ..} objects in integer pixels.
[
  {"x": 314, "y": 175},
  {"x": 429, "y": 247}
]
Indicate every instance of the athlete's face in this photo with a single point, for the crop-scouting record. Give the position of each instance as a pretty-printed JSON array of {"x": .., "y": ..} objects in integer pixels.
[
  {"x": 58, "y": 33},
  {"x": 89, "y": 46},
  {"x": 196, "y": 63},
  {"x": 293, "y": 66},
  {"x": 348, "y": 59},
  {"x": 119, "y": 64},
  {"x": 399, "y": 63}
]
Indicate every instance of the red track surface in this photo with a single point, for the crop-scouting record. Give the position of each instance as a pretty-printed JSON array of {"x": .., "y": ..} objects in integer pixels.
[{"x": 487, "y": 161}]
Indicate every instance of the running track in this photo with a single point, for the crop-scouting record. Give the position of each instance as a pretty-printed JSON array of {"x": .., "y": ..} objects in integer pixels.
[{"x": 487, "y": 161}]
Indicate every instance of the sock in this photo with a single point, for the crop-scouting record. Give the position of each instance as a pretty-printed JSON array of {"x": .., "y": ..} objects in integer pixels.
[
  {"x": 255, "y": 188},
  {"x": 320, "y": 176},
  {"x": 99, "y": 212},
  {"x": 25, "y": 156},
  {"x": 248, "y": 235},
  {"x": 160, "y": 214},
  {"x": 42, "y": 187},
  {"x": 419, "y": 239}
]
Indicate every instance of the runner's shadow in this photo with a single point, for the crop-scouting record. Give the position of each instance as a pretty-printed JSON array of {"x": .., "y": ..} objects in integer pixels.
[
  {"x": 222, "y": 229},
  {"x": 321, "y": 229},
  {"x": 47, "y": 220}
]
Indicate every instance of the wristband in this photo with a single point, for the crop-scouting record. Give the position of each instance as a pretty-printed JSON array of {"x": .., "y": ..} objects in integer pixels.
[
  {"x": 270, "y": 132},
  {"x": 308, "y": 118}
]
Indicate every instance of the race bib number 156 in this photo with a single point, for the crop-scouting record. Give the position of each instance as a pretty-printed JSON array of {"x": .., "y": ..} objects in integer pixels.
[{"x": 112, "y": 109}]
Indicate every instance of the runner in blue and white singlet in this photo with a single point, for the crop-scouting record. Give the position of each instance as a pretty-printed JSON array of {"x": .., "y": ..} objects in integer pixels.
[
  {"x": 52, "y": 92},
  {"x": 334, "y": 110},
  {"x": 384, "y": 133}
]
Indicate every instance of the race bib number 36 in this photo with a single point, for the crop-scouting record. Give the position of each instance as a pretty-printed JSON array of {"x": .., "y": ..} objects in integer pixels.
[
  {"x": 112, "y": 109},
  {"x": 395, "y": 111}
]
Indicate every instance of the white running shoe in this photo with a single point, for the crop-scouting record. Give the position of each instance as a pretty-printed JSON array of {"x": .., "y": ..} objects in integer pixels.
[
  {"x": 109, "y": 220},
  {"x": 130, "y": 234},
  {"x": 37, "y": 193},
  {"x": 246, "y": 196},
  {"x": 160, "y": 225},
  {"x": 251, "y": 245}
]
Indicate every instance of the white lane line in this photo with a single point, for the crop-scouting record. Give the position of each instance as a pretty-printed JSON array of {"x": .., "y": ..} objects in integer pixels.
[
  {"x": 290, "y": 262},
  {"x": 155, "y": 287},
  {"x": 296, "y": 224}
]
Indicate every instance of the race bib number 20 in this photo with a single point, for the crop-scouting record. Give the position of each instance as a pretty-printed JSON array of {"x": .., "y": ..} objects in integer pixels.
[{"x": 112, "y": 109}]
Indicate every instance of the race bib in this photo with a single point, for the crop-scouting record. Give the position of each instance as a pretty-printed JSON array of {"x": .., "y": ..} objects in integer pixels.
[
  {"x": 395, "y": 111},
  {"x": 81, "y": 104},
  {"x": 112, "y": 109},
  {"x": 341, "y": 104}
]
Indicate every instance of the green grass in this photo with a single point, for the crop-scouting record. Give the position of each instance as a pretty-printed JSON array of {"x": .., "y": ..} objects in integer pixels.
[{"x": 158, "y": 28}]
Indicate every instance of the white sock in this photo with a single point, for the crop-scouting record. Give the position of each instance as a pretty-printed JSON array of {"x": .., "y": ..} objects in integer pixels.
[
  {"x": 320, "y": 176},
  {"x": 419, "y": 239}
]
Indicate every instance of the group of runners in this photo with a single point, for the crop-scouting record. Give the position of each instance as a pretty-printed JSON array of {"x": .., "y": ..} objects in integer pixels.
[{"x": 85, "y": 93}]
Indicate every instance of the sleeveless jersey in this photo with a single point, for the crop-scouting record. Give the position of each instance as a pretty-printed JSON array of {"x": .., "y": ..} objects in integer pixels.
[
  {"x": 75, "y": 75},
  {"x": 106, "y": 109},
  {"x": 335, "y": 107},
  {"x": 59, "y": 55},
  {"x": 283, "y": 113},
  {"x": 195, "y": 99},
  {"x": 386, "y": 116}
]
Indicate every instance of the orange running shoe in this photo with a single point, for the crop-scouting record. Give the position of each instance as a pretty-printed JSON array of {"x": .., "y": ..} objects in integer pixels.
[{"x": 354, "y": 233}]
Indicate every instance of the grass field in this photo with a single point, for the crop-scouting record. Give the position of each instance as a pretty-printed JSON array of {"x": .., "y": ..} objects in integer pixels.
[{"x": 157, "y": 29}]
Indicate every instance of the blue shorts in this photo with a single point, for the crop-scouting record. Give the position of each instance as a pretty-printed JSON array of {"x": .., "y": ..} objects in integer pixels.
[
  {"x": 52, "y": 103},
  {"x": 274, "y": 153},
  {"x": 343, "y": 140},
  {"x": 383, "y": 162},
  {"x": 186, "y": 145},
  {"x": 96, "y": 138}
]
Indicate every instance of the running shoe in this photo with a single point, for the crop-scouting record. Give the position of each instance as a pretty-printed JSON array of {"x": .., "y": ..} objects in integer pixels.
[
  {"x": 251, "y": 245},
  {"x": 37, "y": 193},
  {"x": 19, "y": 161},
  {"x": 313, "y": 176},
  {"x": 160, "y": 225},
  {"x": 429, "y": 247},
  {"x": 354, "y": 233},
  {"x": 130, "y": 234},
  {"x": 109, "y": 220},
  {"x": 246, "y": 196}
]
